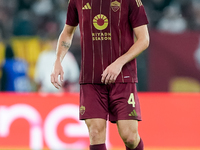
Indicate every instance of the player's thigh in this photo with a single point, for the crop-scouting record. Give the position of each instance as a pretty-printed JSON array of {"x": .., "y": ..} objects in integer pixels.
[
  {"x": 93, "y": 101},
  {"x": 96, "y": 123},
  {"x": 128, "y": 128},
  {"x": 97, "y": 130},
  {"x": 124, "y": 102}
]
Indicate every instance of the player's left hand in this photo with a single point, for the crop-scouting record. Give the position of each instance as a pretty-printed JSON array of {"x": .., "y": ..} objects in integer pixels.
[{"x": 111, "y": 72}]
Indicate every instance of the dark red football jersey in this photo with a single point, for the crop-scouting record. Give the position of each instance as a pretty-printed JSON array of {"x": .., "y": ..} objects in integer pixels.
[{"x": 106, "y": 28}]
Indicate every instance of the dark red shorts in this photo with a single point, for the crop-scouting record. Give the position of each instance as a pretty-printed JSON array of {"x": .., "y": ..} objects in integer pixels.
[{"x": 119, "y": 101}]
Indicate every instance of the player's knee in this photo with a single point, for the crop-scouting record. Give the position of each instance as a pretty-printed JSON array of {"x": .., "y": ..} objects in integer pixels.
[
  {"x": 97, "y": 135},
  {"x": 97, "y": 132},
  {"x": 130, "y": 139}
]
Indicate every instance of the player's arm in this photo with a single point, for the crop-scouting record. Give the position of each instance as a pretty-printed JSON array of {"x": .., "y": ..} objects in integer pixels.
[
  {"x": 142, "y": 43},
  {"x": 112, "y": 71},
  {"x": 64, "y": 42}
]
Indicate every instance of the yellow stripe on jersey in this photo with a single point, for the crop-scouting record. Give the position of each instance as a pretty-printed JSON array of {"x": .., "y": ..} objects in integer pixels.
[
  {"x": 88, "y": 5},
  {"x": 85, "y": 7}
]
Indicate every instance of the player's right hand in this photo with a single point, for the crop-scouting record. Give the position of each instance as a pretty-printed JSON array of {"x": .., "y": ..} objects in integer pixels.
[{"x": 57, "y": 71}]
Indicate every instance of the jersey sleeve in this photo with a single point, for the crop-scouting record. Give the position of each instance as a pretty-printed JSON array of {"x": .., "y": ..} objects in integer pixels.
[
  {"x": 72, "y": 14},
  {"x": 137, "y": 14}
]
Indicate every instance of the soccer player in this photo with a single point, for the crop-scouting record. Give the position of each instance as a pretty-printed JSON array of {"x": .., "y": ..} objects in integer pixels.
[{"x": 108, "y": 66}]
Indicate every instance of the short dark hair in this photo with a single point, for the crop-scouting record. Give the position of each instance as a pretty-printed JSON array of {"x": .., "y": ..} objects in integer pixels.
[{"x": 9, "y": 52}]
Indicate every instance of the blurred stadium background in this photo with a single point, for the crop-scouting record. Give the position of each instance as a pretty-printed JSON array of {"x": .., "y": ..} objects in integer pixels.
[{"x": 168, "y": 72}]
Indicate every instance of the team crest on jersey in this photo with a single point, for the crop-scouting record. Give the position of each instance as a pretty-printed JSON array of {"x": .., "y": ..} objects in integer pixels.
[
  {"x": 115, "y": 6},
  {"x": 82, "y": 110}
]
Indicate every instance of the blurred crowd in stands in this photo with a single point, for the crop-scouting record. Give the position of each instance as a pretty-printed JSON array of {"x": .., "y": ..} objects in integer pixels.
[
  {"x": 173, "y": 15},
  {"x": 45, "y": 19}
]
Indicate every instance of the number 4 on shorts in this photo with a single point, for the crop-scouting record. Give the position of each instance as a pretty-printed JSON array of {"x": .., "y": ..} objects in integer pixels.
[{"x": 131, "y": 100}]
